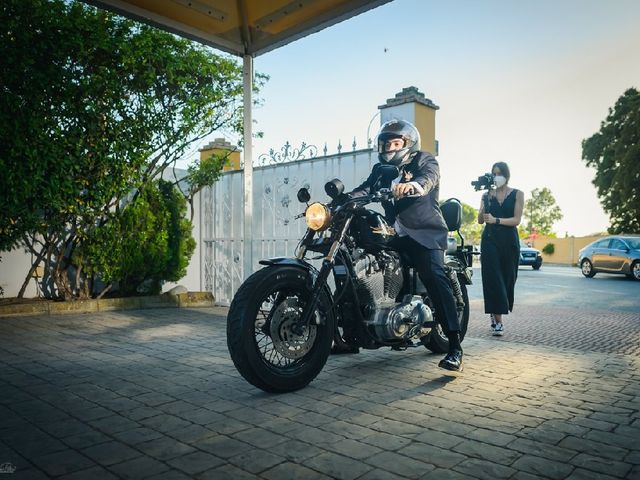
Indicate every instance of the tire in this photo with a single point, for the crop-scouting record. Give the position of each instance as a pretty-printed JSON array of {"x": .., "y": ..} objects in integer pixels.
[
  {"x": 635, "y": 271},
  {"x": 437, "y": 341},
  {"x": 587, "y": 268},
  {"x": 262, "y": 345},
  {"x": 538, "y": 264}
]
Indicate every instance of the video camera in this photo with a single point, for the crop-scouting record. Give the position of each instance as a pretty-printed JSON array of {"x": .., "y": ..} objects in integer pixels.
[{"x": 484, "y": 182}]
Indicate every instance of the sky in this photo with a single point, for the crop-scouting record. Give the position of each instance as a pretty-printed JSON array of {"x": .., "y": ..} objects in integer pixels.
[{"x": 522, "y": 82}]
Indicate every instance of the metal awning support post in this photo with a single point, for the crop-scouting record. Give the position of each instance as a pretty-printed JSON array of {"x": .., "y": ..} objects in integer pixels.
[{"x": 247, "y": 71}]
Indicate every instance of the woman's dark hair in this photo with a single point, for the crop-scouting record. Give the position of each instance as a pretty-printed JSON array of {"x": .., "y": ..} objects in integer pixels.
[{"x": 504, "y": 169}]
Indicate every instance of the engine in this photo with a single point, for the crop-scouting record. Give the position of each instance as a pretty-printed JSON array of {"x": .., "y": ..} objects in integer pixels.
[{"x": 379, "y": 281}]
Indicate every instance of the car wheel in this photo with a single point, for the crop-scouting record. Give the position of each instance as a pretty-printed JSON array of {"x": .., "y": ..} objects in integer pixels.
[
  {"x": 635, "y": 270},
  {"x": 587, "y": 268},
  {"x": 538, "y": 264}
]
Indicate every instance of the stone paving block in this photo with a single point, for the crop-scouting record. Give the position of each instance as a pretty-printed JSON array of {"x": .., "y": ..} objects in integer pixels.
[
  {"x": 259, "y": 437},
  {"x": 314, "y": 435},
  {"x": 395, "y": 427},
  {"x": 113, "y": 424},
  {"x": 438, "y": 457},
  {"x": 89, "y": 438},
  {"x": 280, "y": 425},
  {"x": 292, "y": 471},
  {"x": 593, "y": 448},
  {"x": 601, "y": 465},
  {"x": 62, "y": 463},
  {"x": 200, "y": 416},
  {"x": 255, "y": 463},
  {"x": 296, "y": 451},
  {"x": 192, "y": 434},
  {"x": 490, "y": 437},
  {"x": 353, "y": 449},
  {"x": 171, "y": 475},
  {"x": 226, "y": 472},
  {"x": 109, "y": 453},
  {"x": 540, "y": 449},
  {"x": 386, "y": 441},
  {"x": 165, "y": 423},
  {"x": 228, "y": 426},
  {"x": 633, "y": 457},
  {"x": 138, "y": 468},
  {"x": 223, "y": 446},
  {"x": 438, "y": 439},
  {"x": 337, "y": 466},
  {"x": 483, "y": 469},
  {"x": 582, "y": 474},
  {"x": 196, "y": 462},
  {"x": 164, "y": 448},
  {"x": 446, "y": 474},
  {"x": 137, "y": 435},
  {"x": 617, "y": 438},
  {"x": 543, "y": 466},
  {"x": 490, "y": 453},
  {"x": 97, "y": 473}
]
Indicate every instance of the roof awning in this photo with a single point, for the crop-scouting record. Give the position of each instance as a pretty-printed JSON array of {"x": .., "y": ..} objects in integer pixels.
[
  {"x": 246, "y": 28},
  {"x": 240, "y": 27}
]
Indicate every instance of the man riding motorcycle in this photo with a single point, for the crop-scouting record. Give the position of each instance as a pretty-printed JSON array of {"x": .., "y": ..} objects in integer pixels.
[{"x": 418, "y": 221}]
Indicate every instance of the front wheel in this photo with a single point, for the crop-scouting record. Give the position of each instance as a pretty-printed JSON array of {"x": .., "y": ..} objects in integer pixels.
[
  {"x": 587, "y": 268},
  {"x": 437, "y": 340},
  {"x": 265, "y": 345},
  {"x": 635, "y": 270}
]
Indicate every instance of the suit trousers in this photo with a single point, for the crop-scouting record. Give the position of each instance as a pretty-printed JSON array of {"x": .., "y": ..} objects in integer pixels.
[{"x": 430, "y": 267}]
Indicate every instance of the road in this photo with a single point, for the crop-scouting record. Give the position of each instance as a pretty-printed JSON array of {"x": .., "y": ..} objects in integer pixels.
[
  {"x": 557, "y": 306},
  {"x": 567, "y": 287}
]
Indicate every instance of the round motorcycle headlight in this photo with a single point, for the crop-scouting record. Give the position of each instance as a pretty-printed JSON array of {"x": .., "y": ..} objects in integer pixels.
[{"x": 317, "y": 216}]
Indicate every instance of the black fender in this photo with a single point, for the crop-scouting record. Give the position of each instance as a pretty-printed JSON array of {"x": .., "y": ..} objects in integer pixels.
[{"x": 296, "y": 262}]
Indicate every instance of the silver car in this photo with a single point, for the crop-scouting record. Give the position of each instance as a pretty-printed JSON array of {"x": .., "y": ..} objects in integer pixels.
[{"x": 619, "y": 254}]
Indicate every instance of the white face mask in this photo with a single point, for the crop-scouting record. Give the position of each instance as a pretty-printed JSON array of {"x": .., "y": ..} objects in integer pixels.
[{"x": 499, "y": 180}]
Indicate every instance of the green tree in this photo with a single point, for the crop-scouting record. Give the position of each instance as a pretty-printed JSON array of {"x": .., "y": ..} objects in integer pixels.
[
  {"x": 471, "y": 230},
  {"x": 541, "y": 212},
  {"x": 614, "y": 151},
  {"x": 94, "y": 107}
]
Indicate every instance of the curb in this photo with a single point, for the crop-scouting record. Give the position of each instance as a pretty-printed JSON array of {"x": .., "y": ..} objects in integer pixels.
[{"x": 188, "y": 299}]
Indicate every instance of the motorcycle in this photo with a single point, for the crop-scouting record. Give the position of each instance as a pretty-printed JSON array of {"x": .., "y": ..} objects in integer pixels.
[{"x": 285, "y": 318}]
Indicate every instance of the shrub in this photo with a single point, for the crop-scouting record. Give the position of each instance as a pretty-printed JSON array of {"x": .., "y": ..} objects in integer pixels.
[
  {"x": 149, "y": 241},
  {"x": 549, "y": 248}
]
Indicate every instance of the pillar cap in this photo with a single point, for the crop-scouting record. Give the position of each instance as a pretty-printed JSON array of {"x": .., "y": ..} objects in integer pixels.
[
  {"x": 220, "y": 143},
  {"x": 408, "y": 95}
]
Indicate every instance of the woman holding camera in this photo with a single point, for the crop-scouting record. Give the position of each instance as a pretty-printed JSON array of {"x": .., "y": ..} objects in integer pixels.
[{"x": 501, "y": 211}]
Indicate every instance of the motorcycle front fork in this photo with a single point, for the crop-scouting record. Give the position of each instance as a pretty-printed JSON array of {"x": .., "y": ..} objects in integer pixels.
[{"x": 321, "y": 281}]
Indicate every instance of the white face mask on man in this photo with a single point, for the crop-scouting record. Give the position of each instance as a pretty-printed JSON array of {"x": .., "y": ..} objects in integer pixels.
[{"x": 499, "y": 180}]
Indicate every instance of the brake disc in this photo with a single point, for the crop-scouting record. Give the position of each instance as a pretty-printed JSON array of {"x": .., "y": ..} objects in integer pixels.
[{"x": 285, "y": 341}]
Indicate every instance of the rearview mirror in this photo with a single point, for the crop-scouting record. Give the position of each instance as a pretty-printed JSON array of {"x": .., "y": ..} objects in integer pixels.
[{"x": 303, "y": 195}]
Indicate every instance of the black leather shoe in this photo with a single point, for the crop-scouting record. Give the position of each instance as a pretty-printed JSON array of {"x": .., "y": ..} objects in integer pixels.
[{"x": 453, "y": 361}]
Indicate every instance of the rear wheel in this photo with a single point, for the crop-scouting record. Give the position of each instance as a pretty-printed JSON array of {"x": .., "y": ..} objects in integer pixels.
[
  {"x": 587, "y": 268},
  {"x": 635, "y": 270},
  {"x": 437, "y": 340},
  {"x": 262, "y": 335}
]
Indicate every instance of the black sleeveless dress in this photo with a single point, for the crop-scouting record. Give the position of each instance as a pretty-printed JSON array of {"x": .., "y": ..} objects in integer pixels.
[{"x": 499, "y": 257}]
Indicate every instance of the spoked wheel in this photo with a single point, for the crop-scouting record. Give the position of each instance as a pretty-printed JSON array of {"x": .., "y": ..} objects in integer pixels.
[
  {"x": 267, "y": 345},
  {"x": 437, "y": 340}
]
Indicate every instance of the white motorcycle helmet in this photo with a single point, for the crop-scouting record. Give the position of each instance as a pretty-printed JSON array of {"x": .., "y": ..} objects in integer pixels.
[{"x": 398, "y": 129}]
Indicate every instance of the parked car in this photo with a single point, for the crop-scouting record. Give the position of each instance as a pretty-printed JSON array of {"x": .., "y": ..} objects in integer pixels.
[
  {"x": 617, "y": 254},
  {"x": 530, "y": 256}
]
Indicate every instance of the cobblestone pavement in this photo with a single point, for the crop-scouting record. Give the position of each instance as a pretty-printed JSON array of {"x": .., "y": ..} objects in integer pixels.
[
  {"x": 153, "y": 394},
  {"x": 564, "y": 327}
]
